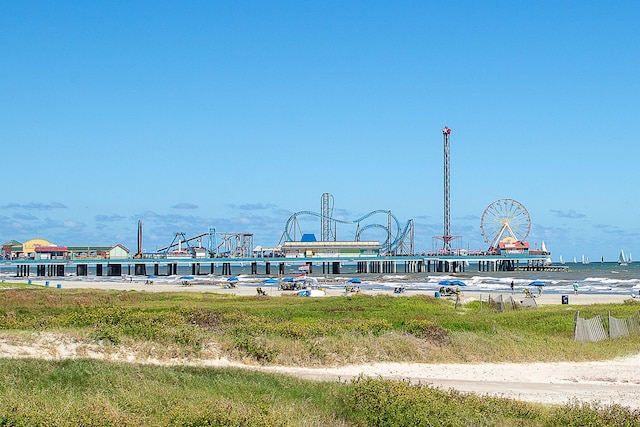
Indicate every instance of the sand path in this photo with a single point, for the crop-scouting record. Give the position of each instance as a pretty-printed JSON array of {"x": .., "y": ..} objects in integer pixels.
[{"x": 610, "y": 382}]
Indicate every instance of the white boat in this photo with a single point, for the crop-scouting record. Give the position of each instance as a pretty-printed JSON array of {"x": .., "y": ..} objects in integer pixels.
[
  {"x": 561, "y": 260},
  {"x": 622, "y": 260}
]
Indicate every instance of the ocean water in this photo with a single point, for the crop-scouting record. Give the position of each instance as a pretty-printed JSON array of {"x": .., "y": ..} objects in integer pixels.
[
  {"x": 596, "y": 277},
  {"x": 606, "y": 277}
]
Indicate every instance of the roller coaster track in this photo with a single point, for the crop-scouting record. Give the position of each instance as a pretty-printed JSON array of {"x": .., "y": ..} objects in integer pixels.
[
  {"x": 179, "y": 239},
  {"x": 391, "y": 244}
]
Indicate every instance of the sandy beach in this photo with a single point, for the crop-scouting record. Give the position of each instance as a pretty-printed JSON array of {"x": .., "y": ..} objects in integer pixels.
[
  {"x": 609, "y": 382},
  {"x": 249, "y": 288}
]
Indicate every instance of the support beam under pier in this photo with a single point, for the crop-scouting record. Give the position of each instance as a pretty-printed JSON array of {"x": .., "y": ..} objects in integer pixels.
[
  {"x": 140, "y": 270},
  {"x": 112, "y": 269},
  {"x": 81, "y": 270},
  {"x": 336, "y": 267}
]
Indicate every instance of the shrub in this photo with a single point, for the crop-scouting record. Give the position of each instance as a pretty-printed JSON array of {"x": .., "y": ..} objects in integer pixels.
[
  {"x": 428, "y": 330},
  {"x": 223, "y": 413}
]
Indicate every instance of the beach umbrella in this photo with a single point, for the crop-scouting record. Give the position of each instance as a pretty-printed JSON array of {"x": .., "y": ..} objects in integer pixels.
[
  {"x": 270, "y": 281},
  {"x": 232, "y": 279},
  {"x": 187, "y": 277},
  {"x": 537, "y": 283},
  {"x": 354, "y": 280},
  {"x": 288, "y": 279},
  {"x": 452, "y": 283}
]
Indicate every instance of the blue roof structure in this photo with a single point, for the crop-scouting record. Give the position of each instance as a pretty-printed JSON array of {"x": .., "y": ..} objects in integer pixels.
[{"x": 308, "y": 238}]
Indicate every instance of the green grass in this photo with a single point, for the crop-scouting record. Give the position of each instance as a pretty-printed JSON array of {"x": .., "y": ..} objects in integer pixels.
[
  {"x": 71, "y": 393},
  {"x": 286, "y": 331},
  {"x": 293, "y": 330},
  {"x": 87, "y": 392}
]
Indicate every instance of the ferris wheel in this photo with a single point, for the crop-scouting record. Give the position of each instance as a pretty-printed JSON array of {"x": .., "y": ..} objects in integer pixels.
[{"x": 505, "y": 218}]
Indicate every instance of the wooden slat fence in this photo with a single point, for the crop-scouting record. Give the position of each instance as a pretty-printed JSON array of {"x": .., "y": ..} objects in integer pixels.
[
  {"x": 634, "y": 324},
  {"x": 618, "y": 327},
  {"x": 589, "y": 330},
  {"x": 623, "y": 327},
  {"x": 501, "y": 304},
  {"x": 595, "y": 329}
]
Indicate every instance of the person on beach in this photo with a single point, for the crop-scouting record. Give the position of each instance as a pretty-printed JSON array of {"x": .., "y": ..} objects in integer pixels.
[
  {"x": 575, "y": 288},
  {"x": 512, "y": 287}
]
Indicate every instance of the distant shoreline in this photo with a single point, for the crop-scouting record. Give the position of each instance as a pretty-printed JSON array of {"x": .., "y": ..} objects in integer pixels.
[{"x": 249, "y": 289}]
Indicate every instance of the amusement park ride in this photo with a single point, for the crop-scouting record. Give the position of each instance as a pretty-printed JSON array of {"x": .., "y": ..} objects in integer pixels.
[
  {"x": 398, "y": 240},
  {"x": 505, "y": 221},
  {"x": 505, "y": 225},
  {"x": 234, "y": 245}
]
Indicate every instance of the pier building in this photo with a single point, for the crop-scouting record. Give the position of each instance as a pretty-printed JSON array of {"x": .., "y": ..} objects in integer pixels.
[
  {"x": 29, "y": 247},
  {"x": 118, "y": 251},
  {"x": 11, "y": 249},
  {"x": 50, "y": 252},
  {"x": 510, "y": 245},
  {"x": 337, "y": 249}
]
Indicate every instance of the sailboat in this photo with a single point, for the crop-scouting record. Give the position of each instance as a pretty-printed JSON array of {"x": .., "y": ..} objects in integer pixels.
[
  {"x": 561, "y": 260},
  {"x": 622, "y": 260}
]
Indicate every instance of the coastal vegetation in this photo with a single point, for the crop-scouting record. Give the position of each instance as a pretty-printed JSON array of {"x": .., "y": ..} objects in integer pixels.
[{"x": 169, "y": 336}]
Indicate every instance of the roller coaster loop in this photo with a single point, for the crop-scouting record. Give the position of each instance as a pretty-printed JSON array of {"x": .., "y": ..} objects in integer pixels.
[{"x": 391, "y": 243}]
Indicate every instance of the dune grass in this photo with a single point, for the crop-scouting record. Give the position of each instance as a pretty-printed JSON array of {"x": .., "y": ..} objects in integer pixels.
[
  {"x": 99, "y": 393},
  {"x": 286, "y": 331},
  {"x": 289, "y": 330},
  {"x": 89, "y": 392}
]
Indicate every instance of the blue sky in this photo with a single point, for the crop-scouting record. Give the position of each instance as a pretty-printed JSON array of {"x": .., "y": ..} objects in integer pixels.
[{"x": 236, "y": 114}]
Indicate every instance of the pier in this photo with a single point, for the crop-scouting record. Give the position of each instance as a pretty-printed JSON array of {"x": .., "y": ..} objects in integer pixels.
[{"x": 277, "y": 266}]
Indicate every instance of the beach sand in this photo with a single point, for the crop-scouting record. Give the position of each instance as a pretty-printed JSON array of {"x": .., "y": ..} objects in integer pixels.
[
  {"x": 609, "y": 382},
  {"x": 249, "y": 288}
]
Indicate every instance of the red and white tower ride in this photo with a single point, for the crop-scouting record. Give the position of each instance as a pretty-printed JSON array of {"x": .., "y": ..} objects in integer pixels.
[{"x": 446, "y": 235}]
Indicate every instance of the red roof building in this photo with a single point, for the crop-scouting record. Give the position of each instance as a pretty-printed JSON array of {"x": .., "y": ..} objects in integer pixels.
[
  {"x": 51, "y": 252},
  {"x": 512, "y": 246}
]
